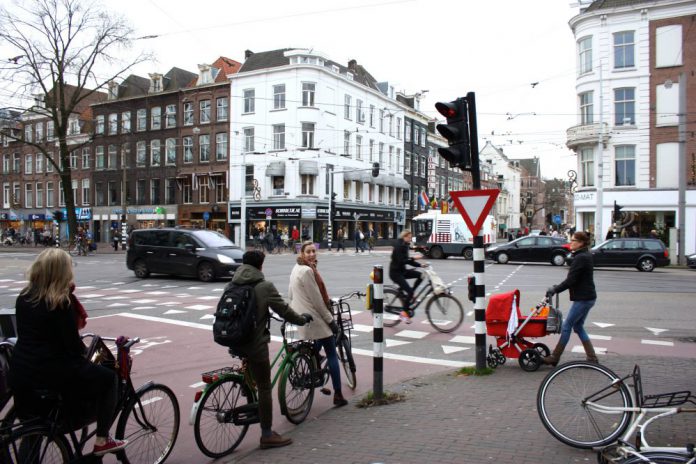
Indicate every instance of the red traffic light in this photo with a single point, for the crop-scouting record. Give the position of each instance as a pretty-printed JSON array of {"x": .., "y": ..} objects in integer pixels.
[{"x": 448, "y": 110}]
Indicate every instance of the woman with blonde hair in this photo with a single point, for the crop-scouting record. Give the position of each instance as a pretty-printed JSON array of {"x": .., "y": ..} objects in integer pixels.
[
  {"x": 308, "y": 293},
  {"x": 50, "y": 354}
]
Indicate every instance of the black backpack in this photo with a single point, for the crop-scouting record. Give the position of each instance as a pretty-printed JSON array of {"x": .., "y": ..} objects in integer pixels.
[{"x": 235, "y": 317}]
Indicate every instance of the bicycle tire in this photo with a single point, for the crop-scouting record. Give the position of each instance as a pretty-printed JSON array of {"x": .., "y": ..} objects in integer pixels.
[
  {"x": 392, "y": 306},
  {"x": 296, "y": 388},
  {"x": 35, "y": 445},
  {"x": 345, "y": 355},
  {"x": 159, "y": 408},
  {"x": 658, "y": 457},
  {"x": 562, "y": 410},
  {"x": 215, "y": 433},
  {"x": 445, "y": 306}
]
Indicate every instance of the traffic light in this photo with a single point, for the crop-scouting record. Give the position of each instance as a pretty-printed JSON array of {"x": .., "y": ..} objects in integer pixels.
[
  {"x": 375, "y": 169},
  {"x": 456, "y": 131},
  {"x": 333, "y": 205},
  {"x": 617, "y": 211}
]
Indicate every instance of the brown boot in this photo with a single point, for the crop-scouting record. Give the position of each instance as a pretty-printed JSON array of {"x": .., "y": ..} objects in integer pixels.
[
  {"x": 590, "y": 352},
  {"x": 274, "y": 441},
  {"x": 555, "y": 356},
  {"x": 339, "y": 400}
]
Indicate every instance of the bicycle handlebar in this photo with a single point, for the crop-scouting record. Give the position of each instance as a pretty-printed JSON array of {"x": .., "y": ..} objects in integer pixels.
[{"x": 348, "y": 296}]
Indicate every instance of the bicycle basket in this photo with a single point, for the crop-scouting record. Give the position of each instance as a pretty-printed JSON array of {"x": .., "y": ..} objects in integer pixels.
[
  {"x": 554, "y": 321},
  {"x": 438, "y": 284}
]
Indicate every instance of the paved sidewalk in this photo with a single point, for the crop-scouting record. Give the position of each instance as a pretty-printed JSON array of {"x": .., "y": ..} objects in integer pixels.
[{"x": 450, "y": 419}]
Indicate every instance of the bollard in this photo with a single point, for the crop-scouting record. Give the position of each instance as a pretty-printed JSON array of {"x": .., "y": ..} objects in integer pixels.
[
  {"x": 480, "y": 302},
  {"x": 378, "y": 333}
]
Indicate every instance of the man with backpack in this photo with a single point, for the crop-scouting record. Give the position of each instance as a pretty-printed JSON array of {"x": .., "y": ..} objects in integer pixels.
[{"x": 255, "y": 350}]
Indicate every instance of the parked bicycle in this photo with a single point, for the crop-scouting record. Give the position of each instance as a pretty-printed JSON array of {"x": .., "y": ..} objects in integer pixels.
[
  {"x": 586, "y": 405},
  {"x": 444, "y": 311},
  {"x": 147, "y": 417},
  {"x": 228, "y": 404}
]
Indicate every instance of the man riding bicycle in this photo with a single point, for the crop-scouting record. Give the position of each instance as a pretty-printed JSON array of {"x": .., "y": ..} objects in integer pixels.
[{"x": 398, "y": 272}]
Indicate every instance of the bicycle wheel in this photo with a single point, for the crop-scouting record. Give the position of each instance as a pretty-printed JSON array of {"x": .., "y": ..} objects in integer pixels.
[
  {"x": 445, "y": 312},
  {"x": 150, "y": 423},
  {"x": 658, "y": 457},
  {"x": 215, "y": 433},
  {"x": 345, "y": 355},
  {"x": 35, "y": 445},
  {"x": 562, "y": 404},
  {"x": 393, "y": 305},
  {"x": 296, "y": 389}
]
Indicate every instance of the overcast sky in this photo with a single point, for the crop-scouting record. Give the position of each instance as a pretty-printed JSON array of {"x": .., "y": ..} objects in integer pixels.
[{"x": 495, "y": 48}]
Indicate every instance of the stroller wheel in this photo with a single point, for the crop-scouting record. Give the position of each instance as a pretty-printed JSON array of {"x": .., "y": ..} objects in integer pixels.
[
  {"x": 530, "y": 360},
  {"x": 500, "y": 358},
  {"x": 542, "y": 349},
  {"x": 491, "y": 361}
]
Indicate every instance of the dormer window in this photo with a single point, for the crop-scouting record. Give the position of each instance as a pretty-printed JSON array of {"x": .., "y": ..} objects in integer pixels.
[
  {"x": 349, "y": 76},
  {"x": 155, "y": 83},
  {"x": 73, "y": 126},
  {"x": 335, "y": 68},
  {"x": 205, "y": 74}
]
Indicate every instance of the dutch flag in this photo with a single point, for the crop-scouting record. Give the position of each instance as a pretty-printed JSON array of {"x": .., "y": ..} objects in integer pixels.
[{"x": 423, "y": 199}]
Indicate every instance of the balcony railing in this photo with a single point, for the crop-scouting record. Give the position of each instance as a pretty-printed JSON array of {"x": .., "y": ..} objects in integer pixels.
[{"x": 584, "y": 134}]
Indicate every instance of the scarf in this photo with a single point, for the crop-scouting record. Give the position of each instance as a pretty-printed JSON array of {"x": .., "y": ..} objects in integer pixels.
[
  {"x": 80, "y": 313},
  {"x": 320, "y": 282}
]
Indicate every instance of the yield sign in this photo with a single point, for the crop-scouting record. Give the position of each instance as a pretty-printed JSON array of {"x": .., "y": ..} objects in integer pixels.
[{"x": 474, "y": 206}]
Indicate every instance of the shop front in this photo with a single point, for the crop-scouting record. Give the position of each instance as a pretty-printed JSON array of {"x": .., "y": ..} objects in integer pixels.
[
  {"x": 387, "y": 224},
  {"x": 276, "y": 219},
  {"x": 26, "y": 222},
  {"x": 107, "y": 220},
  {"x": 212, "y": 217}
]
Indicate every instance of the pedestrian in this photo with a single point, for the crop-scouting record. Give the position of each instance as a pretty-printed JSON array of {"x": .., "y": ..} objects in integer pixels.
[
  {"x": 359, "y": 237},
  {"x": 371, "y": 239},
  {"x": 339, "y": 240},
  {"x": 308, "y": 291},
  {"x": 50, "y": 355},
  {"x": 633, "y": 232},
  {"x": 294, "y": 239},
  {"x": 519, "y": 233},
  {"x": 256, "y": 351},
  {"x": 610, "y": 234},
  {"x": 115, "y": 238},
  {"x": 653, "y": 234},
  {"x": 580, "y": 284}
]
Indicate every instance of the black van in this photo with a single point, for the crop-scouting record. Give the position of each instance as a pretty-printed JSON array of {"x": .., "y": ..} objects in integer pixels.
[{"x": 183, "y": 252}]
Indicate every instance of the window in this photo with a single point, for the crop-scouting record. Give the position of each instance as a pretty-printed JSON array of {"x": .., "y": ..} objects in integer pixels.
[
  {"x": 380, "y": 154},
  {"x": 27, "y": 133},
  {"x": 279, "y": 136},
  {"x": 584, "y": 55},
  {"x": 49, "y": 130},
  {"x": 170, "y": 148},
  {"x": 371, "y": 150},
  {"x": 390, "y": 160},
  {"x": 113, "y": 155},
  {"x": 99, "y": 157},
  {"x": 398, "y": 159},
  {"x": 624, "y": 106},
  {"x": 328, "y": 181},
  {"x": 85, "y": 191},
  {"x": 346, "y": 107},
  {"x": 220, "y": 190},
  {"x": 249, "y": 180},
  {"x": 125, "y": 122},
  {"x": 587, "y": 167},
  {"x": 188, "y": 149},
  {"x": 170, "y": 116},
  {"x": 203, "y": 190},
  {"x": 307, "y": 135},
  {"x": 586, "y": 108},
  {"x": 380, "y": 193},
  {"x": 222, "y": 112},
  {"x": 248, "y": 139},
  {"x": 307, "y": 182},
  {"x": 98, "y": 194},
  {"x": 85, "y": 158},
  {"x": 359, "y": 116},
  {"x": 358, "y": 191},
  {"x": 141, "y": 120},
  {"x": 49, "y": 162},
  {"x": 278, "y": 185},
  {"x": 125, "y": 155},
  {"x": 624, "y": 50},
  {"x": 49, "y": 194},
  {"x": 669, "y": 46},
  {"x": 398, "y": 128},
  {"x": 625, "y": 157},
  {"x": 140, "y": 153},
  {"x": 39, "y": 195},
  {"x": 61, "y": 194},
  {"x": 188, "y": 114},
  {"x": 39, "y": 132},
  {"x": 424, "y": 137},
  {"x": 73, "y": 126},
  {"x": 113, "y": 124},
  {"x": 6, "y": 163},
  {"x": 155, "y": 191},
  {"x": 381, "y": 121},
  {"x": 155, "y": 153},
  {"x": 28, "y": 195},
  {"x": 221, "y": 146},
  {"x": 6, "y": 195},
  {"x": 249, "y": 96},
  {"x": 358, "y": 147},
  {"x": 186, "y": 191},
  {"x": 423, "y": 165},
  {"x": 346, "y": 143},
  {"x": 204, "y": 148},
  {"x": 391, "y": 125},
  {"x": 156, "y": 118},
  {"x": 308, "y": 91},
  {"x": 99, "y": 125},
  {"x": 39, "y": 162},
  {"x": 407, "y": 131},
  {"x": 416, "y": 135},
  {"x": 170, "y": 191},
  {"x": 204, "y": 116},
  {"x": 279, "y": 97},
  {"x": 372, "y": 115},
  {"x": 28, "y": 164},
  {"x": 140, "y": 191}
]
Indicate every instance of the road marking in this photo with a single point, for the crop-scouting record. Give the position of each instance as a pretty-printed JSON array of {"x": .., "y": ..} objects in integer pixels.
[
  {"x": 173, "y": 311},
  {"x": 200, "y": 307},
  {"x": 156, "y": 293},
  {"x": 581, "y": 349},
  {"x": 207, "y": 316},
  {"x": 362, "y": 328},
  {"x": 603, "y": 325},
  {"x": 599, "y": 337},
  {"x": 391, "y": 342},
  {"x": 657, "y": 342},
  {"x": 115, "y": 297},
  {"x": 463, "y": 339},
  {"x": 145, "y": 301},
  {"x": 453, "y": 349},
  {"x": 411, "y": 334},
  {"x": 209, "y": 297},
  {"x": 85, "y": 287},
  {"x": 130, "y": 290},
  {"x": 116, "y": 305},
  {"x": 656, "y": 331},
  {"x": 168, "y": 303},
  {"x": 92, "y": 295},
  {"x": 194, "y": 288},
  {"x": 197, "y": 385},
  {"x": 143, "y": 307}
]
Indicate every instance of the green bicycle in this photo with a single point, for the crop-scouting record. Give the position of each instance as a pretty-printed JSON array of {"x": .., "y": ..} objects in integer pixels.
[{"x": 228, "y": 404}]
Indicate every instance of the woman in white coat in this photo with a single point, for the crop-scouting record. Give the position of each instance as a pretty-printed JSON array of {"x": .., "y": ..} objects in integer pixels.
[{"x": 308, "y": 293}]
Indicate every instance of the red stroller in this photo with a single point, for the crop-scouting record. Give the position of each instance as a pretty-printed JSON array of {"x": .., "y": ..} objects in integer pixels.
[{"x": 505, "y": 322}]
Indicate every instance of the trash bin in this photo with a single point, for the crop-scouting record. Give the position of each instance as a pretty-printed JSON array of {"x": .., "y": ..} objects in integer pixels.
[{"x": 8, "y": 323}]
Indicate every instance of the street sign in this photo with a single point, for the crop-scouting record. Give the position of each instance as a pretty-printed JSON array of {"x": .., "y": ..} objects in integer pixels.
[
  {"x": 206, "y": 216},
  {"x": 557, "y": 219},
  {"x": 474, "y": 206}
]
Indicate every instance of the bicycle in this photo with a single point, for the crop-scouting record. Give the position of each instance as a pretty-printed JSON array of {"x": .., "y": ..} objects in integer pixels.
[
  {"x": 147, "y": 417},
  {"x": 444, "y": 311},
  {"x": 228, "y": 404},
  {"x": 586, "y": 405}
]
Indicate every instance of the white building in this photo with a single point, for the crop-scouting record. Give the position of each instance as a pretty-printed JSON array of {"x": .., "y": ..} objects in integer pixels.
[
  {"x": 630, "y": 58},
  {"x": 509, "y": 179},
  {"x": 299, "y": 121}
]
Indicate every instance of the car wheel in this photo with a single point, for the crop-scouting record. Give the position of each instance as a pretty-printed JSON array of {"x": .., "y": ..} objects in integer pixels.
[
  {"x": 206, "y": 273},
  {"x": 646, "y": 265},
  {"x": 502, "y": 258},
  {"x": 558, "y": 260},
  {"x": 468, "y": 253},
  {"x": 140, "y": 269},
  {"x": 437, "y": 253}
]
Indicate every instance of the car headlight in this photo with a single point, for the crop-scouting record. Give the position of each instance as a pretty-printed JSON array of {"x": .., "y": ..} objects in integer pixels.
[{"x": 224, "y": 259}]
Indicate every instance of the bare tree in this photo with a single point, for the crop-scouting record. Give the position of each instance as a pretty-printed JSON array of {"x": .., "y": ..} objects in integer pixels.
[{"x": 58, "y": 49}]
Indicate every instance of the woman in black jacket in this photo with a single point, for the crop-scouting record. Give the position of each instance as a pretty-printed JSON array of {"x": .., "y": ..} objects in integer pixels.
[
  {"x": 398, "y": 272},
  {"x": 580, "y": 285}
]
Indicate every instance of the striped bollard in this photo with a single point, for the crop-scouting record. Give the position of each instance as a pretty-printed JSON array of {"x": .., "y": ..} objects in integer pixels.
[
  {"x": 479, "y": 303},
  {"x": 378, "y": 333}
]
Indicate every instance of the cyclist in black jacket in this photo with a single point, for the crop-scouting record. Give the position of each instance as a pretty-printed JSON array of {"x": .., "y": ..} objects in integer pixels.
[
  {"x": 398, "y": 272},
  {"x": 580, "y": 285}
]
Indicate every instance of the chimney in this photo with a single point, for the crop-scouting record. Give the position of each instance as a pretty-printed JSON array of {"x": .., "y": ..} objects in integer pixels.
[
  {"x": 247, "y": 54},
  {"x": 352, "y": 65}
]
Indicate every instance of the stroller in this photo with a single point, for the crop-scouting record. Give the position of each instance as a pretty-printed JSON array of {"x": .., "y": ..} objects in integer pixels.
[{"x": 510, "y": 329}]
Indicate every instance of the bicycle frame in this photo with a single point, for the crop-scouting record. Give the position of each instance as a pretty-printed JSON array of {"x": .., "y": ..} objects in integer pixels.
[{"x": 421, "y": 294}]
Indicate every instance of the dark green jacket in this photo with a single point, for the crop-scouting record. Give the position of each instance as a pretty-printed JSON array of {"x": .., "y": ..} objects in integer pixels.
[{"x": 267, "y": 296}]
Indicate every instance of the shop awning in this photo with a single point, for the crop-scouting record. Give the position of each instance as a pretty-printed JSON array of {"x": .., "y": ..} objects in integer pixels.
[
  {"x": 352, "y": 175},
  {"x": 276, "y": 168},
  {"x": 308, "y": 167},
  {"x": 366, "y": 176},
  {"x": 400, "y": 182}
]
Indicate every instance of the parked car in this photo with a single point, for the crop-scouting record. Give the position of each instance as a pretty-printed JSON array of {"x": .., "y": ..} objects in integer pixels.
[
  {"x": 645, "y": 254},
  {"x": 539, "y": 249},
  {"x": 184, "y": 252},
  {"x": 691, "y": 261}
]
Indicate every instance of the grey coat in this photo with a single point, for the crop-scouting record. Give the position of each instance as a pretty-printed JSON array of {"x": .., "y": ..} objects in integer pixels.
[{"x": 305, "y": 296}]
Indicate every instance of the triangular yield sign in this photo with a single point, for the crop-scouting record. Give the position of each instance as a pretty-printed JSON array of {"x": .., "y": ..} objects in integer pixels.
[{"x": 474, "y": 206}]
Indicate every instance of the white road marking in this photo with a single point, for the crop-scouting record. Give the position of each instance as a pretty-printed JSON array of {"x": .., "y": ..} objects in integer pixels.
[
  {"x": 115, "y": 297},
  {"x": 92, "y": 295},
  {"x": 603, "y": 325},
  {"x": 581, "y": 349},
  {"x": 173, "y": 311},
  {"x": 391, "y": 342},
  {"x": 411, "y": 334},
  {"x": 194, "y": 288},
  {"x": 656, "y": 331},
  {"x": 200, "y": 307},
  {"x": 657, "y": 342},
  {"x": 137, "y": 308},
  {"x": 453, "y": 349},
  {"x": 207, "y": 316},
  {"x": 209, "y": 297},
  {"x": 463, "y": 339},
  {"x": 599, "y": 337},
  {"x": 145, "y": 301},
  {"x": 168, "y": 303},
  {"x": 116, "y": 305},
  {"x": 84, "y": 287},
  {"x": 197, "y": 385},
  {"x": 156, "y": 293},
  {"x": 362, "y": 328},
  {"x": 130, "y": 290}
]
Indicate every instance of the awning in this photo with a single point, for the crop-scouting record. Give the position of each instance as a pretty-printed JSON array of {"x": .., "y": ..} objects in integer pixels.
[
  {"x": 309, "y": 168},
  {"x": 276, "y": 168},
  {"x": 400, "y": 182},
  {"x": 352, "y": 175},
  {"x": 388, "y": 181},
  {"x": 366, "y": 176}
]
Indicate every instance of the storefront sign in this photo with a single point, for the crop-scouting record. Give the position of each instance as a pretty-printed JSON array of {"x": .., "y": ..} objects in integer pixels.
[
  {"x": 37, "y": 217},
  {"x": 584, "y": 196},
  {"x": 145, "y": 210},
  {"x": 83, "y": 214},
  {"x": 234, "y": 214},
  {"x": 4, "y": 217},
  {"x": 344, "y": 214},
  {"x": 276, "y": 212}
]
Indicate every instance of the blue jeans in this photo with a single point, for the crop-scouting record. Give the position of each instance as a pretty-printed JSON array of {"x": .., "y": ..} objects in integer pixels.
[
  {"x": 575, "y": 320},
  {"x": 329, "y": 345}
]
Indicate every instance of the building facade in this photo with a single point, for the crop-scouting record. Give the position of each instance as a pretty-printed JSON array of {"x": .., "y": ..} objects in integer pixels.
[{"x": 507, "y": 174}]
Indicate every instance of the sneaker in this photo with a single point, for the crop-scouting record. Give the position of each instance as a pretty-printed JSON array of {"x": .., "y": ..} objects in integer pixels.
[
  {"x": 339, "y": 400},
  {"x": 405, "y": 317},
  {"x": 274, "y": 441},
  {"x": 109, "y": 446}
]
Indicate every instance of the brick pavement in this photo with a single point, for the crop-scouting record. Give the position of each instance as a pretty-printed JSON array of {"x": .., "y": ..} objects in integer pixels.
[{"x": 450, "y": 419}]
